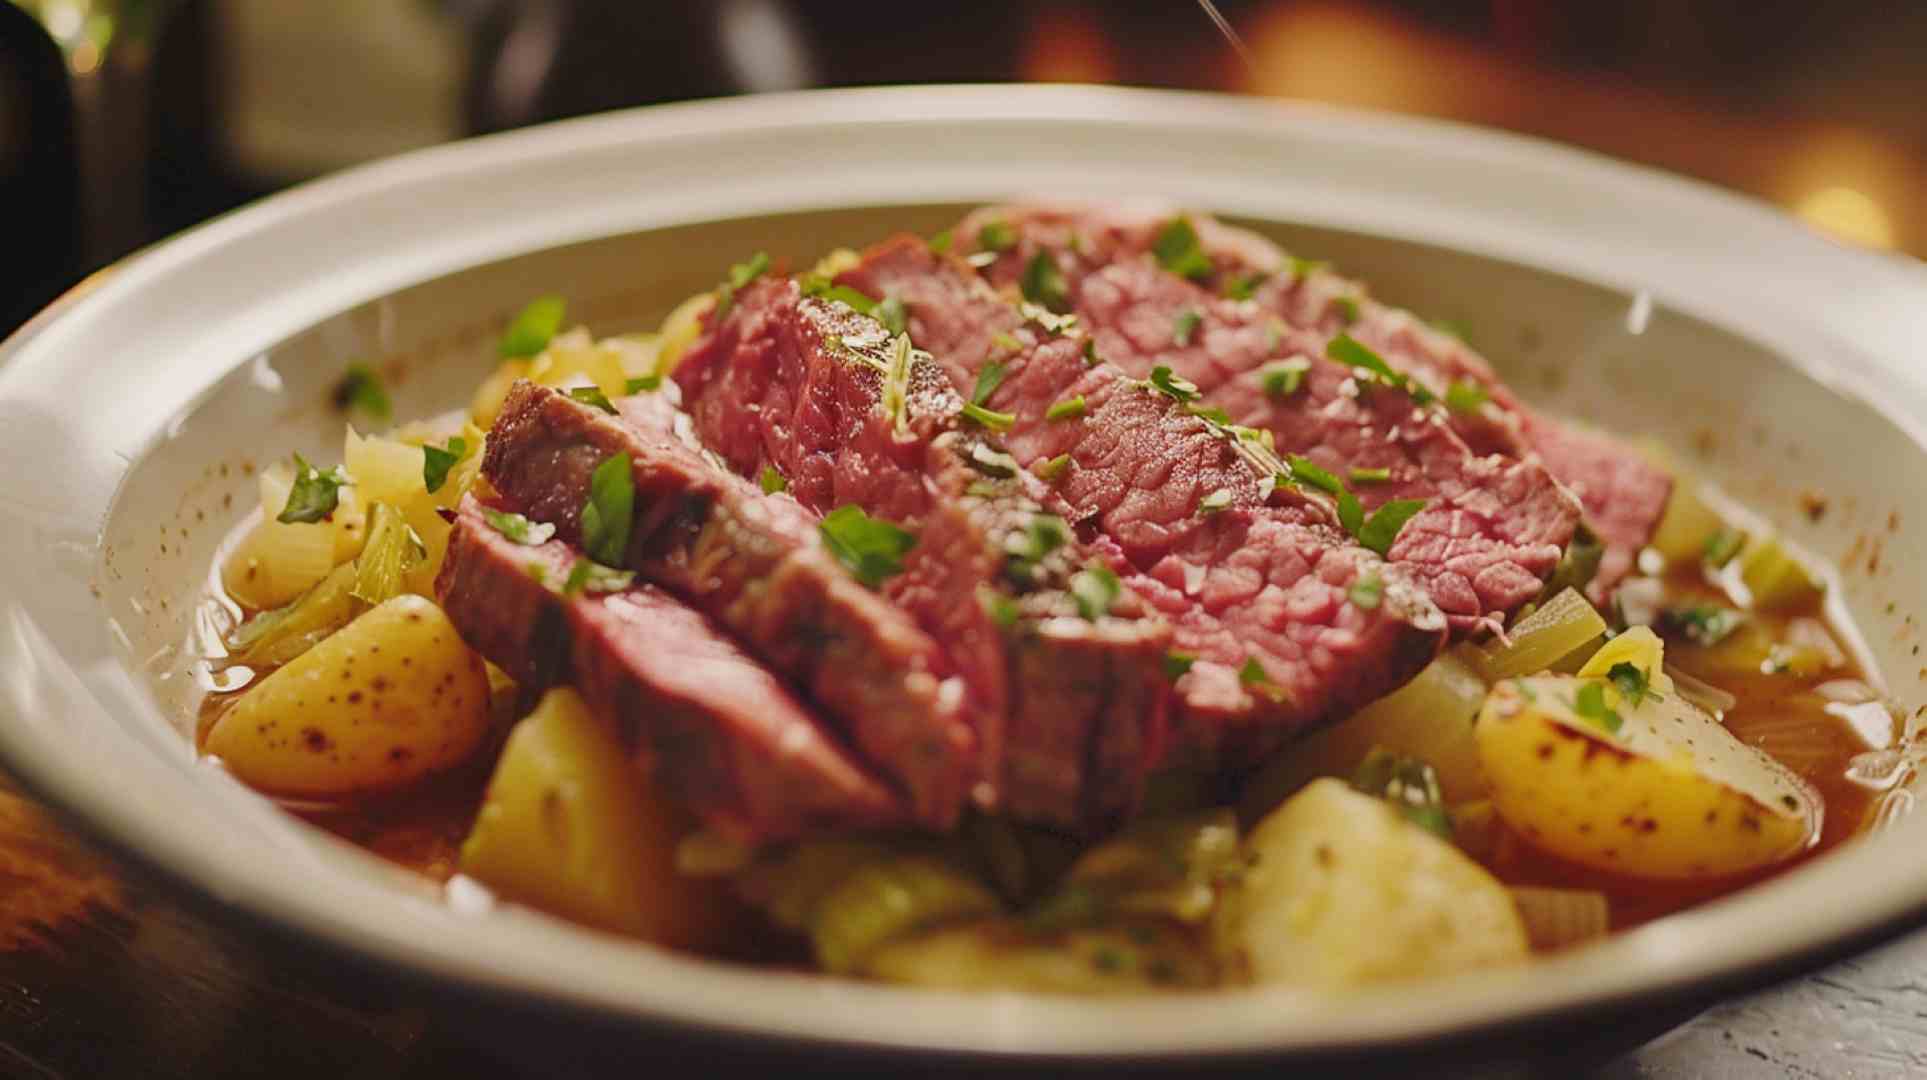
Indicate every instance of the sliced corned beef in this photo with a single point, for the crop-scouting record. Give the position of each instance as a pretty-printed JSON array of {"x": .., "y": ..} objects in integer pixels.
[
  {"x": 724, "y": 736},
  {"x": 758, "y": 566},
  {"x": 1291, "y": 622},
  {"x": 1623, "y": 494},
  {"x": 812, "y": 391}
]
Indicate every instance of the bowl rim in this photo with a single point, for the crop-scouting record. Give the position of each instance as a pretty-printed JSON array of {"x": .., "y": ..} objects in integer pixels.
[{"x": 1849, "y": 319}]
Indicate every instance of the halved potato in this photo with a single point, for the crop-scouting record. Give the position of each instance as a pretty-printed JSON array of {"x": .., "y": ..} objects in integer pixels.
[
  {"x": 1342, "y": 891},
  {"x": 1670, "y": 794},
  {"x": 382, "y": 702},
  {"x": 572, "y": 825}
]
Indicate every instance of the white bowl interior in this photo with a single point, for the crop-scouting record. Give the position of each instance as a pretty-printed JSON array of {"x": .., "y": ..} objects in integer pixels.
[{"x": 134, "y": 464}]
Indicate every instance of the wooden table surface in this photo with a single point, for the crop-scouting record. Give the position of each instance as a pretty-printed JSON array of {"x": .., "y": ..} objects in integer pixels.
[{"x": 105, "y": 973}]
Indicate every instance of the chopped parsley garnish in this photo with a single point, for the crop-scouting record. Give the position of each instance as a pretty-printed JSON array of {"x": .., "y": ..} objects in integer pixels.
[
  {"x": 1068, "y": 409},
  {"x": 360, "y": 389},
  {"x": 590, "y": 576},
  {"x": 1054, "y": 469},
  {"x": 1244, "y": 286},
  {"x": 1253, "y": 673},
  {"x": 437, "y": 460},
  {"x": 1350, "y": 514},
  {"x": 740, "y": 275},
  {"x": 1465, "y": 397},
  {"x": 870, "y": 548},
  {"x": 1303, "y": 268},
  {"x": 940, "y": 243},
  {"x": 1043, "y": 284},
  {"x": 1176, "y": 664},
  {"x": 1281, "y": 380},
  {"x": 1178, "y": 250},
  {"x": 990, "y": 418},
  {"x": 1367, "y": 592},
  {"x": 996, "y": 236},
  {"x": 1214, "y": 414},
  {"x": 1706, "y": 624},
  {"x": 531, "y": 331},
  {"x": 1176, "y": 387},
  {"x": 1633, "y": 685},
  {"x": 1090, "y": 352},
  {"x": 816, "y": 285},
  {"x": 1215, "y": 501},
  {"x": 593, "y": 395},
  {"x": 892, "y": 313},
  {"x": 610, "y": 511},
  {"x": 518, "y": 528},
  {"x": 1723, "y": 545},
  {"x": 1348, "y": 351},
  {"x": 1095, "y": 588},
  {"x": 1044, "y": 534},
  {"x": 1185, "y": 326},
  {"x": 988, "y": 380},
  {"x": 1002, "y": 609},
  {"x": 1003, "y": 342},
  {"x": 1370, "y": 476},
  {"x": 1347, "y": 309},
  {"x": 643, "y": 384},
  {"x": 314, "y": 495},
  {"x": 992, "y": 462},
  {"x": 772, "y": 481},
  {"x": 1590, "y": 704},
  {"x": 1382, "y": 528}
]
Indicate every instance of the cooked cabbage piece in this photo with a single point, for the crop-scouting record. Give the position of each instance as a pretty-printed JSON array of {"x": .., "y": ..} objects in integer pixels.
[{"x": 1341, "y": 890}]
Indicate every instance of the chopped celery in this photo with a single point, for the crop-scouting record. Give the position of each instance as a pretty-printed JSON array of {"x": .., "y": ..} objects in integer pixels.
[
  {"x": 1775, "y": 577},
  {"x": 1577, "y": 565},
  {"x": 1560, "y": 626},
  {"x": 273, "y": 638},
  {"x": 1429, "y": 718},
  {"x": 1687, "y": 525},
  {"x": 1163, "y": 866},
  {"x": 1112, "y": 959},
  {"x": 390, "y": 553},
  {"x": 888, "y": 899}
]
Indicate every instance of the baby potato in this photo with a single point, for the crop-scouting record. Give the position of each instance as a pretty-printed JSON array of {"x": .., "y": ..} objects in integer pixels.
[
  {"x": 1671, "y": 794},
  {"x": 1343, "y": 891},
  {"x": 572, "y": 825},
  {"x": 393, "y": 696}
]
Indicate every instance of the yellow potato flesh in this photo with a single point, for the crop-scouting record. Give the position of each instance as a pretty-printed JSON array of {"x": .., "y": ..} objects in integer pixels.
[
  {"x": 382, "y": 702},
  {"x": 1343, "y": 891},
  {"x": 572, "y": 825},
  {"x": 1671, "y": 795}
]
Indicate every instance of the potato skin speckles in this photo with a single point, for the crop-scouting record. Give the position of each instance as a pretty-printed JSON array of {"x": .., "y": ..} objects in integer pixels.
[{"x": 389, "y": 725}]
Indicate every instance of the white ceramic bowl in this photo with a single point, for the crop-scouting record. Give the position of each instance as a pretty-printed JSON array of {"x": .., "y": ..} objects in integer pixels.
[{"x": 131, "y": 411}]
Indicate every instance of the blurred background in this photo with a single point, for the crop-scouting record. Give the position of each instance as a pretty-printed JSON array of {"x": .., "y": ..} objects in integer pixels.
[{"x": 122, "y": 121}]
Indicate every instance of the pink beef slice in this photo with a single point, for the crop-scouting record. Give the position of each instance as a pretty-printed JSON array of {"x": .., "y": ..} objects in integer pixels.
[
  {"x": 758, "y": 567},
  {"x": 821, "y": 395},
  {"x": 1622, "y": 494},
  {"x": 724, "y": 736},
  {"x": 1291, "y": 623}
]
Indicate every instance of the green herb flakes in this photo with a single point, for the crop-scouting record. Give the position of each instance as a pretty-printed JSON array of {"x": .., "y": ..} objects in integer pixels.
[
  {"x": 518, "y": 528},
  {"x": 892, "y": 313},
  {"x": 1352, "y": 354},
  {"x": 1177, "y": 664},
  {"x": 1381, "y": 529},
  {"x": 1465, "y": 397},
  {"x": 1705, "y": 624},
  {"x": 1068, "y": 409},
  {"x": 314, "y": 495},
  {"x": 1633, "y": 685},
  {"x": 992, "y": 462},
  {"x": 1176, "y": 387},
  {"x": 1185, "y": 326},
  {"x": 1001, "y": 608},
  {"x": 1367, "y": 592},
  {"x": 870, "y": 548},
  {"x": 593, "y": 395},
  {"x": 1095, "y": 588},
  {"x": 1590, "y": 704},
  {"x": 1723, "y": 545},
  {"x": 990, "y": 418},
  {"x": 1043, "y": 284},
  {"x": 1178, "y": 250},
  {"x": 740, "y": 275},
  {"x": 609, "y": 513},
  {"x": 590, "y": 576},
  {"x": 1304, "y": 268},
  {"x": 996, "y": 236},
  {"x": 822, "y": 288},
  {"x": 1244, "y": 286},
  {"x": 437, "y": 460},
  {"x": 1253, "y": 673},
  {"x": 643, "y": 384},
  {"x": 1054, "y": 469},
  {"x": 1369, "y": 476},
  {"x": 360, "y": 390},
  {"x": 772, "y": 481},
  {"x": 533, "y": 328},
  {"x": 1281, "y": 380},
  {"x": 1347, "y": 310},
  {"x": 988, "y": 380},
  {"x": 1091, "y": 359},
  {"x": 940, "y": 243}
]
